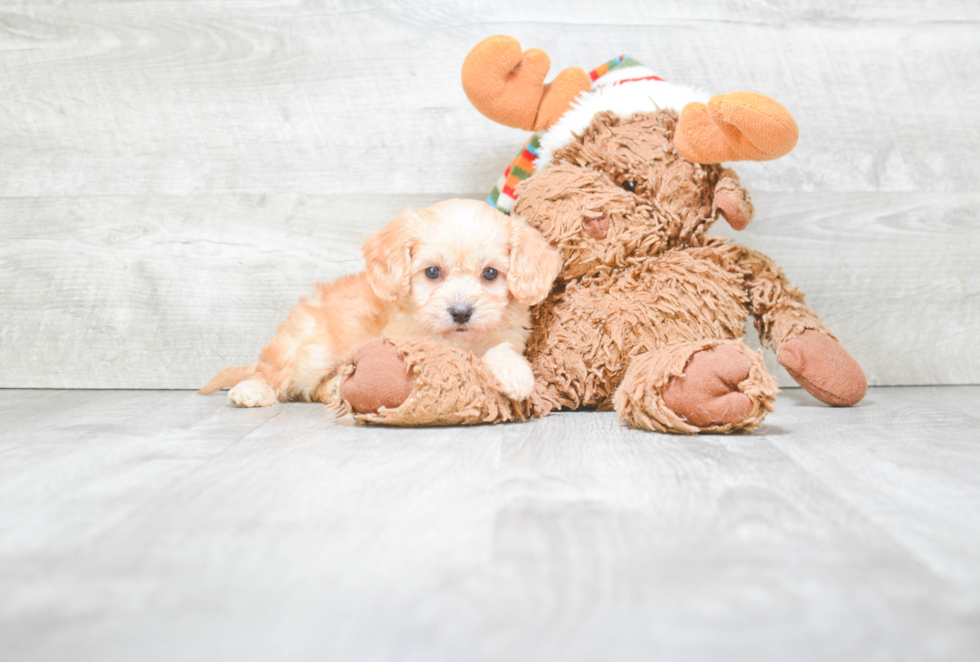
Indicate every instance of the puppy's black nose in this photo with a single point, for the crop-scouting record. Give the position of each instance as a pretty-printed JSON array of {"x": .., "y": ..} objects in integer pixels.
[{"x": 461, "y": 314}]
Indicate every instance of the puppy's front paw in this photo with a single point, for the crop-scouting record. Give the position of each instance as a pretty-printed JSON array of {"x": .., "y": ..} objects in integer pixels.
[
  {"x": 511, "y": 370},
  {"x": 252, "y": 393}
]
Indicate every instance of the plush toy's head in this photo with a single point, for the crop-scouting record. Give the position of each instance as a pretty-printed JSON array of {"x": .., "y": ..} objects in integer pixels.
[
  {"x": 619, "y": 191},
  {"x": 623, "y": 164}
]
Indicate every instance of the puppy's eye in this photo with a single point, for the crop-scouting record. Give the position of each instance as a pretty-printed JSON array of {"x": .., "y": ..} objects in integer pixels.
[
  {"x": 630, "y": 186},
  {"x": 433, "y": 272},
  {"x": 490, "y": 273}
]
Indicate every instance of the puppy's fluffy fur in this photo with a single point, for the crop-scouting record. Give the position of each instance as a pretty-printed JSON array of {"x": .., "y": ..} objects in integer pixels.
[{"x": 458, "y": 271}]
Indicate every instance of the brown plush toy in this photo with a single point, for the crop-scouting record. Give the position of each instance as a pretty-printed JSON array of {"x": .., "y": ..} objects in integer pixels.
[{"x": 647, "y": 315}]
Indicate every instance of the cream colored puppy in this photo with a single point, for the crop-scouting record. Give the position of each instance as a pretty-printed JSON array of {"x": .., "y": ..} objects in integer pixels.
[{"x": 458, "y": 271}]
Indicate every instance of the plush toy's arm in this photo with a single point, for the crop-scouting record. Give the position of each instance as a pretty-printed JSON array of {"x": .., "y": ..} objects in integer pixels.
[
  {"x": 733, "y": 201},
  {"x": 418, "y": 381},
  {"x": 804, "y": 345}
]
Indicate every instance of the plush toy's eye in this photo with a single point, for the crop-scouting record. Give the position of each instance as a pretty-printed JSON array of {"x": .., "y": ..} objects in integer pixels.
[
  {"x": 490, "y": 273},
  {"x": 432, "y": 273},
  {"x": 630, "y": 186}
]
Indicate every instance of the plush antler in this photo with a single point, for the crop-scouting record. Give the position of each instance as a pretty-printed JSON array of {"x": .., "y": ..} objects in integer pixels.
[
  {"x": 508, "y": 86},
  {"x": 741, "y": 126}
]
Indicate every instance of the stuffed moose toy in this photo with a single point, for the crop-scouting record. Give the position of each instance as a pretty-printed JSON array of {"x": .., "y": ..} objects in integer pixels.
[{"x": 623, "y": 177}]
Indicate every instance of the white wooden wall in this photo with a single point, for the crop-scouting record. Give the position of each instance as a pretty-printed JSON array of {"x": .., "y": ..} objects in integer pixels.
[{"x": 174, "y": 175}]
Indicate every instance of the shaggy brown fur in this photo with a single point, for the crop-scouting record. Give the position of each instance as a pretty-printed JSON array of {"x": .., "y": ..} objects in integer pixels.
[
  {"x": 449, "y": 386},
  {"x": 647, "y": 314}
]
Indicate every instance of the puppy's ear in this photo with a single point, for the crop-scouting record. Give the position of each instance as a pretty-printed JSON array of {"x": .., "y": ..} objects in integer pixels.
[
  {"x": 388, "y": 256},
  {"x": 534, "y": 264}
]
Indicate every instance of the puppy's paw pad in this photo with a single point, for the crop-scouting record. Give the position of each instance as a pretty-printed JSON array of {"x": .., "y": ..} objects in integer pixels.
[{"x": 252, "y": 393}]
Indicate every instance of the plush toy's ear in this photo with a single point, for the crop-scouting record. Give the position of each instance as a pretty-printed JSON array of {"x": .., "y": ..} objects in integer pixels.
[
  {"x": 388, "y": 256},
  {"x": 534, "y": 264},
  {"x": 741, "y": 126},
  {"x": 508, "y": 86}
]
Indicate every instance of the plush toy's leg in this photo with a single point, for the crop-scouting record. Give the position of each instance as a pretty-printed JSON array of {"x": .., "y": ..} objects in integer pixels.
[
  {"x": 417, "y": 381},
  {"x": 691, "y": 387},
  {"x": 824, "y": 368},
  {"x": 375, "y": 376},
  {"x": 803, "y": 344}
]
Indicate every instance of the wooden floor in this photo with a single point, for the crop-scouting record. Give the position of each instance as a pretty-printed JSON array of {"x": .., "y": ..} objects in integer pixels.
[{"x": 160, "y": 525}]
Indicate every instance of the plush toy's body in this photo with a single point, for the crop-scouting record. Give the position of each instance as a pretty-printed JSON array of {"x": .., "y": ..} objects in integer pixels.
[{"x": 648, "y": 313}]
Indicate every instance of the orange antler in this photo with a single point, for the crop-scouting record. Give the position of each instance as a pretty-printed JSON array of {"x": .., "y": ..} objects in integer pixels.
[
  {"x": 508, "y": 86},
  {"x": 741, "y": 126}
]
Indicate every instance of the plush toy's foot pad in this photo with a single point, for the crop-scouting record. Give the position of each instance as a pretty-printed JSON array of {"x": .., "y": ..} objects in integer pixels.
[
  {"x": 696, "y": 386},
  {"x": 707, "y": 393},
  {"x": 376, "y": 377},
  {"x": 820, "y": 365}
]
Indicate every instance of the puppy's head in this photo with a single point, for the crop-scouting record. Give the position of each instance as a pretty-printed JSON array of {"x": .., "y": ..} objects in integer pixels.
[{"x": 461, "y": 265}]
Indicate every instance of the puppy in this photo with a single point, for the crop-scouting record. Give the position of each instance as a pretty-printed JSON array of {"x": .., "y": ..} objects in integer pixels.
[{"x": 459, "y": 271}]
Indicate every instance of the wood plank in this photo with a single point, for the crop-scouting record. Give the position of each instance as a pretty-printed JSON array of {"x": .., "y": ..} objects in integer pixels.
[
  {"x": 186, "y": 529},
  {"x": 110, "y": 292},
  {"x": 183, "y": 98},
  {"x": 58, "y": 496},
  {"x": 162, "y": 292},
  {"x": 931, "y": 479}
]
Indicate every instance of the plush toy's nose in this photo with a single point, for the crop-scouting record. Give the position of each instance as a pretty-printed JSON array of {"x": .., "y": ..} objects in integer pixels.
[
  {"x": 597, "y": 228},
  {"x": 461, "y": 314}
]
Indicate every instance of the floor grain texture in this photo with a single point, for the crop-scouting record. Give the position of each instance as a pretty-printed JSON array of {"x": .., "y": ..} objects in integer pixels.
[{"x": 161, "y": 525}]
